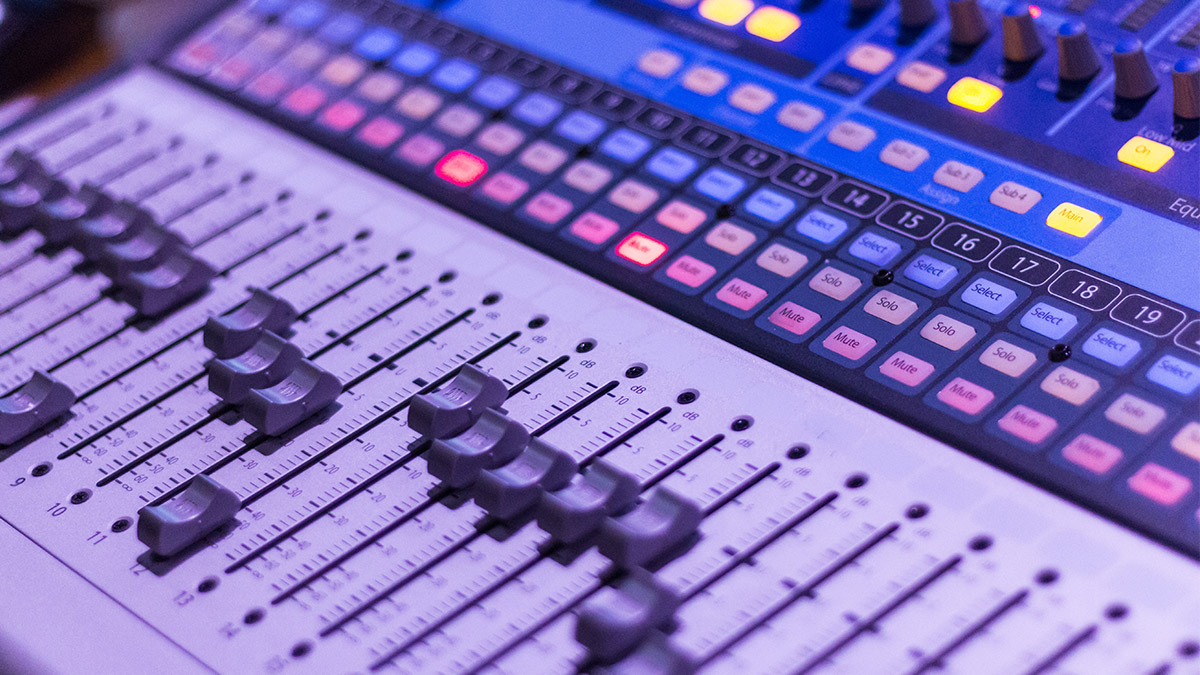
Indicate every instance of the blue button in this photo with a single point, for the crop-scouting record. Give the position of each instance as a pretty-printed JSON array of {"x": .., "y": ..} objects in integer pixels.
[
  {"x": 1050, "y": 321},
  {"x": 455, "y": 76},
  {"x": 989, "y": 296},
  {"x": 875, "y": 249},
  {"x": 537, "y": 109},
  {"x": 720, "y": 185},
  {"x": 929, "y": 271},
  {"x": 377, "y": 44},
  {"x": 671, "y": 165},
  {"x": 822, "y": 226},
  {"x": 625, "y": 146},
  {"x": 580, "y": 127},
  {"x": 305, "y": 14},
  {"x": 770, "y": 205},
  {"x": 341, "y": 29},
  {"x": 416, "y": 60},
  {"x": 1112, "y": 347},
  {"x": 1175, "y": 374},
  {"x": 494, "y": 92}
]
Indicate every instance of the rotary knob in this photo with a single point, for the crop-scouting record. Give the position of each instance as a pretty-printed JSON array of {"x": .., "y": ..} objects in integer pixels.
[
  {"x": 917, "y": 14},
  {"x": 968, "y": 27},
  {"x": 1022, "y": 44},
  {"x": 1077, "y": 59},
  {"x": 1134, "y": 77},
  {"x": 1185, "y": 77}
]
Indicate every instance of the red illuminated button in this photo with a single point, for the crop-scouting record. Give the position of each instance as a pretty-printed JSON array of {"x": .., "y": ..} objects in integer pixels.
[
  {"x": 460, "y": 167},
  {"x": 640, "y": 249}
]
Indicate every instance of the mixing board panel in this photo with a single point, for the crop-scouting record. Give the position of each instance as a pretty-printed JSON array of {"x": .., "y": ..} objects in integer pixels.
[{"x": 615, "y": 337}]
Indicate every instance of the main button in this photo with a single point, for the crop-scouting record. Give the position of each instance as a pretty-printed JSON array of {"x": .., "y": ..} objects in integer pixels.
[{"x": 1073, "y": 219}]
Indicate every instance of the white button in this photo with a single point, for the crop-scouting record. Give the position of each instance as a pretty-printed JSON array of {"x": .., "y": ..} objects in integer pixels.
[
  {"x": 870, "y": 58},
  {"x": 729, "y": 238},
  {"x": 660, "y": 63},
  {"x": 851, "y": 135},
  {"x": 800, "y": 116},
  {"x": 704, "y": 80},
  {"x": 1015, "y": 197},
  {"x": 923, "y": 77},
  {"x": 781, "y": 260},
  {"x": 957, "y": 176},
  {"x": 903, "y": 155},
  {"x": 752, "y": 98}
]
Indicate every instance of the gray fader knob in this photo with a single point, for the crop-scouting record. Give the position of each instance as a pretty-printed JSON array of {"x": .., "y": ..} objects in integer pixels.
[
  {"x": 579, "y": 509},
  {"x": 229, "y": 335},
  {"x": 144, "y": 251},
  {"x": 657, "y": 655},
  {"x": 20, "y": 203},
  {"x": 62, "y": 216},
  {"x": 16, "y": 166},
  {"x": 122, "y": 221},
  {"x": 305, "y": 391},
  {"x": 492, "y": 441},
  {"x": 618, "y": 618},
  {"x": 173, "y": 526},
  {"x": 1134, "y": 77},
  {"x": 1185, "y": 77},
  {"x": 456, "y": 406},
  {"x": 33, "y": 405},
  {"x": 1021, "y": 40},
  {"x": 865, "y": 6},
  {"x": 156, "y": 291},
  {"x": 643, "y": 534},
  {"x": 1077, "y": 59},
  {"x": 263, "y": 364},
  {"x": 968, "y": 27},
  {"x": 509, "y": 490},
  {"x": 917, "y": 13}
]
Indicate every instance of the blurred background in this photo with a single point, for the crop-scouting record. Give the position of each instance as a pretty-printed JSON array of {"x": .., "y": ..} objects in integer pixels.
[{"x": 46, "y": 46}]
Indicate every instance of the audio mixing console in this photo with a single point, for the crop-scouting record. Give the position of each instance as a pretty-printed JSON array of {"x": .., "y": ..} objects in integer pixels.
[{"x": 610, "y": 336}]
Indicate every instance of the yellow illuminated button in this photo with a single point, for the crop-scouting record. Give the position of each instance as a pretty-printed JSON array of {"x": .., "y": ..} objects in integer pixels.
[
  {"x": 974, "y": 94},
  {"x": 1145, "y": 154},
  {"x": 1074, "y": 220},
  {"x": 726, "y": 12},
  {"x": 772, "y": 23}
]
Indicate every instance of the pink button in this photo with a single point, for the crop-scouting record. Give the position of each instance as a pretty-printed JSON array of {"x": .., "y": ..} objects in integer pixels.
[
  {"x": 740, "y": 294},
  {"x": 505, "y": 188},
  {"x": 1028, "y": 424},
  {"x": 267, "y": 87},
  {"x": 380, "y": 132},
  {"x": 966, "y": 396},
  {"x": 794, "y": 319},
  {"x": 548, "y": 208},
  {"x": 906, "y": 369},
  {"x": 594, "y": 227},
  {"x": 500, "y": 138},
  {"x": 1160, "y": 484},
  {"x": 689, "y": 271},
  {"x": 1092, "y": 453},
  {"x": 341, "y": 115},
  {"x": 304, "y": 101},
  {"x": 232, "y": 73},
  {"x": 421, "y": 150},
  {"x": 849, "y": 343},
  {"x": 681, "y": 217},
  {"x": 197, "y": 58}
]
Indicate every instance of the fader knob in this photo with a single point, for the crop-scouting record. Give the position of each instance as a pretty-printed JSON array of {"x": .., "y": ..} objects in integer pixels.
[
  {"x": 32, "y": 406},
  {"x": 1077, "y": 59},
  {"x": 1185, "y": 77},
  {"x": 968, "y": 27},
  {"x": 203, "y": 507},
  {"x": 231, "y": 334},
  {"x": 261, "y": 365},
  {"x": 1135, "y": 79},
  {"x": 1022, "y": 43},
  {"x": 307, "y": 390},
  {"x": 618, "y": 618},
  {"x": 664, "y": 520},
  {"x": 917, "y": 13},
  {"x": 494, "y": 440}
]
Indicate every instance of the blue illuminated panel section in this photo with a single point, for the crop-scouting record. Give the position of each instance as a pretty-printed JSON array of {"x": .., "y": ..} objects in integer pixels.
[{"x": 609, "y": 46}]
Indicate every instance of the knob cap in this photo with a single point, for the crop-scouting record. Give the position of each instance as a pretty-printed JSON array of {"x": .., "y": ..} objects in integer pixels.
[
  {"x": 917, "y": 13},
  {"x": 1185, "y": 77},
  {"x": 1135, "y": 79},
  {"x": 1077, "y": 58},
  {"x": 1021, "y": 40},
  {"x": 865, "y": 6},
  {"x": 968, "y": 27}
]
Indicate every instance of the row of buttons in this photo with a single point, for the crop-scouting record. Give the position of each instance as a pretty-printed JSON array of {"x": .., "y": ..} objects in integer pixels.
[{"x": 757, "y": 235}]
